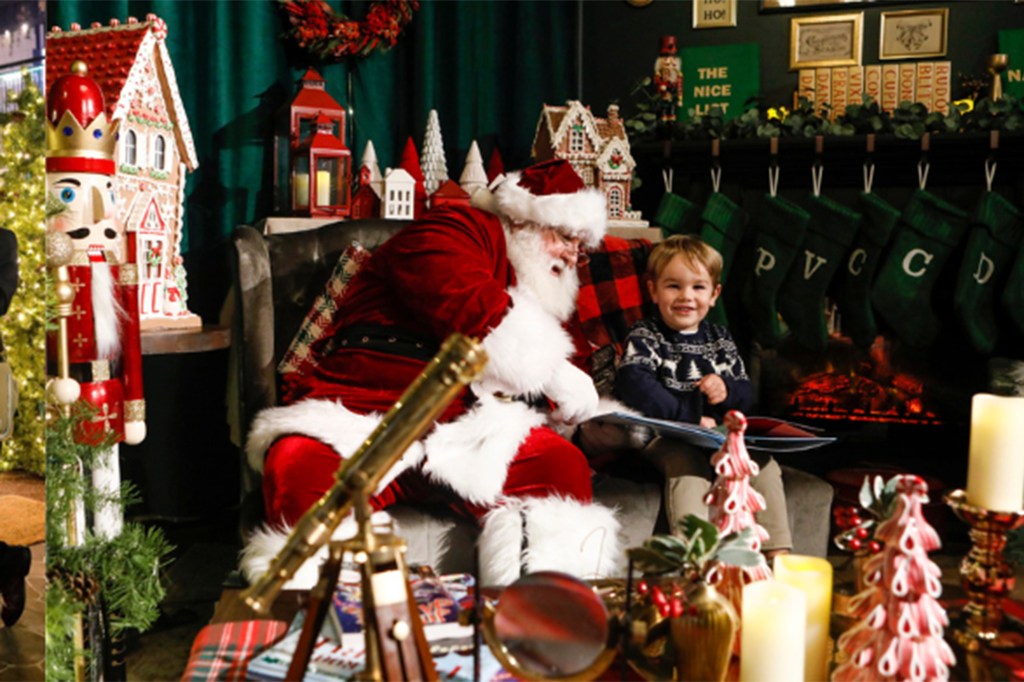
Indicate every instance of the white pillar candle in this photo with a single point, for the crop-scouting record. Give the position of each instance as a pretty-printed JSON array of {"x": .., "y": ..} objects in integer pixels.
[
  {"x": 995, "y": 471},
  {"x": 301, "y": 186},
  {"x": 323, "y": 188},
  {"x": 772, "y": 634},
  {"x": 812, "y": 576}
]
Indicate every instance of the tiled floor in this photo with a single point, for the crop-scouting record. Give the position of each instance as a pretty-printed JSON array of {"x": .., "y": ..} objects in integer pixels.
[{"x": 22, "y": 647}]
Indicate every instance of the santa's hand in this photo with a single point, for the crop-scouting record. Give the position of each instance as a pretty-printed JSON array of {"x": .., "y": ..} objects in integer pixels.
[
  {"x": 134, "y": 432},
  {"x": 572, "y": 390}
]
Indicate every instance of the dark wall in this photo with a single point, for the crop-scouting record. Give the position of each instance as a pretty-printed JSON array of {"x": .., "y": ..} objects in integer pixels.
[{"x": 620, "y": 41}]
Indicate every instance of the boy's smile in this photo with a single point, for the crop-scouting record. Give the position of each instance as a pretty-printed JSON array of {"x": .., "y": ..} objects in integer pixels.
[{"x": 684, "y": 293}]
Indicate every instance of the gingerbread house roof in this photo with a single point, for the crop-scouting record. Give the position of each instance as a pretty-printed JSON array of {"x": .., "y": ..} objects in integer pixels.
[
  {"x": 112, "y": 54},
  {"x": 558, "y": 119}
]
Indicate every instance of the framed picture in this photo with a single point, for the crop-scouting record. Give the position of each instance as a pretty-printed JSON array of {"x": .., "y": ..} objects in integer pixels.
[
  {"x": 913, "y": 33},
  {"x": 825, "y": 5},
  {"x": 714, "y": 13},
  {"x": 825, "y": 40}
]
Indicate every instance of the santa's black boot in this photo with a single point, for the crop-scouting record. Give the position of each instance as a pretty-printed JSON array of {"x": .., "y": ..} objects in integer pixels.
[{"x": 14, "y": 564}]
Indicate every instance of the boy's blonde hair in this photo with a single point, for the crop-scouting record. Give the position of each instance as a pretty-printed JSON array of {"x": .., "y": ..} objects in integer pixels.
[{"x": 694, "y": 251}]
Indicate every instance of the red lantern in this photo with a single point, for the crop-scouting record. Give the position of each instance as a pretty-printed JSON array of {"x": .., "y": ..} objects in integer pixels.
[
  {"x": 321, "y": 174},
  {"x": 298, "y": 122}
]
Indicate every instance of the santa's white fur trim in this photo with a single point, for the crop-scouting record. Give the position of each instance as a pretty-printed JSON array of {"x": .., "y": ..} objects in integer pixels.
[
  {"x": 581, "y": 214},
  {"x": 328, "y": 421},
  {"x": 472, "y": 453},
  {"x": 500, "y": 544},
  {"x": 524, "y": 349},
  {"x": 564, "y": 535},
  {"x": 264, "y": 543}
]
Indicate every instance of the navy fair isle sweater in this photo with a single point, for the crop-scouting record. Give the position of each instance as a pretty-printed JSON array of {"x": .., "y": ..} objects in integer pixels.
[{"x": 660, "y": 367}]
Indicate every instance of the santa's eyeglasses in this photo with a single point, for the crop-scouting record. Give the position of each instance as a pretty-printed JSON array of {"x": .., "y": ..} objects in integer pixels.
[{"x": 572, "y": 245}]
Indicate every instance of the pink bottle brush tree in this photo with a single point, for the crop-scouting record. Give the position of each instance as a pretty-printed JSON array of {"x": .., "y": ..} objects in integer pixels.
[
  {"x": 899, "y": 634},
  {"x": 732, "y": 503}
]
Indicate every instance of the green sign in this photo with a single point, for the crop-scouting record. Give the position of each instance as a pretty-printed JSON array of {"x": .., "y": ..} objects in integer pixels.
[
  {"x": 720, "y": 75},
  {"x": 1011, "y": 43}
]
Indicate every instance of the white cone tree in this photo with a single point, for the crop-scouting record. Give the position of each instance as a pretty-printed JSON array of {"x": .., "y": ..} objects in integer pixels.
[
  {"x": 473, "y": 177},
  {"x": 435, "y": 169},
  {"x": 370, "y": 161}
]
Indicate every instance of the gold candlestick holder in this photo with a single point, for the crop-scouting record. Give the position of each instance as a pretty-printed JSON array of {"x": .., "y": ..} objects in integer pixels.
[{"x": 986, "y": 576}]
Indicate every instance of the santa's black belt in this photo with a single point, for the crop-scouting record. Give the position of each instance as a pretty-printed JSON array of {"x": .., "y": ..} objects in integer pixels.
[
  {"x": 88, "y": 372},
  {"x": 386, "y": 340}
]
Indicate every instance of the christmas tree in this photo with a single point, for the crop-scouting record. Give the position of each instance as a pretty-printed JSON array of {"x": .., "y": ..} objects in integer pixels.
[
  {"x": 23, "y": 193},
  {"x": 433, "y": 164},
  {"x": 376, "y": 180},
  {"x": 473, "y": 176},
  {"x": 899, "y": 635},
  {"x": 733, "y": 503}
]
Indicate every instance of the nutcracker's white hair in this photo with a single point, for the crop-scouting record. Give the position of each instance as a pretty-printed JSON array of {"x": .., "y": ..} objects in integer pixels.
[{"x": 107, "y": 312}]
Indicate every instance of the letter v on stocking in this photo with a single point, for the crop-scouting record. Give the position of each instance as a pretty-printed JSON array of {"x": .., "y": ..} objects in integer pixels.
[{"x": 812, "y": 262}]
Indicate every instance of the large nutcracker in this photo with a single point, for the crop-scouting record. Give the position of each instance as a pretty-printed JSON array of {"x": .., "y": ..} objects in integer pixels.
[{"x": 103, "y": 352}]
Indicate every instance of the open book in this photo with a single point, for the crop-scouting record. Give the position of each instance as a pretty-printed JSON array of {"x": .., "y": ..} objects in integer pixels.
[{"x": 763, "y": 433}]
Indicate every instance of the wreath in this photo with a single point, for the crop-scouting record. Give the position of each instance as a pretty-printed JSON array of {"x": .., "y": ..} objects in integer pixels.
[{"x": 318, "y": 29}]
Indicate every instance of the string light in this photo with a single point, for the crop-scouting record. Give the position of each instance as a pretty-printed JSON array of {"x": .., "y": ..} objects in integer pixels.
[{"x": 23, "y": 329}]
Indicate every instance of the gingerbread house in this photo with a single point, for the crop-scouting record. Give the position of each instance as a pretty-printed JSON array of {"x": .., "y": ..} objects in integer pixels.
[
  {"x": 598, "y": 150},
  {"x": 155, "y": 151}
]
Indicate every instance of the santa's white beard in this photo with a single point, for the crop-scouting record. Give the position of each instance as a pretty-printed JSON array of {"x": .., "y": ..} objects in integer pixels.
[
  {"x": 106, "y": 312},
  {"x": 554, "y": 283}
]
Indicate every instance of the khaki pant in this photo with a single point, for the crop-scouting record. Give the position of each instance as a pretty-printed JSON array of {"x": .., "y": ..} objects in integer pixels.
[{"x": 688, "y": 476}]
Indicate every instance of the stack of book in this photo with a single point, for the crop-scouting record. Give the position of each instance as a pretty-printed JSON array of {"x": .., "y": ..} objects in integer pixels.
[{"x": 929, "y": 83}]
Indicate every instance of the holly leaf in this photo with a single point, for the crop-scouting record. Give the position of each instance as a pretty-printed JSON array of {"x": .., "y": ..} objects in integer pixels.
[{"x": 651, "y": 561}]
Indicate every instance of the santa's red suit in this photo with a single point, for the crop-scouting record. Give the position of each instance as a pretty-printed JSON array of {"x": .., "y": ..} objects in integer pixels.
[{"x": 492, "y": 454}]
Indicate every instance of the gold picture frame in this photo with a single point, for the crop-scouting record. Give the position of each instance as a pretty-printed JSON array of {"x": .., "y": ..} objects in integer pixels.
[
  {"x": 913, "y": 33},
  {"x": 714, "y": 13},
  {"x": 825, "y": 40}
]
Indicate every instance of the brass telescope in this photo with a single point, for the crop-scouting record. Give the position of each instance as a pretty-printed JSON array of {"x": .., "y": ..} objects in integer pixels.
[{"x": 460, "y": 360}]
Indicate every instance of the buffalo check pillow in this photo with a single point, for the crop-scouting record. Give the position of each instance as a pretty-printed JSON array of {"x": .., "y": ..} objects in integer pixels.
[
  {"x": 301, "y": 355},
  {"x": 612, "y": 296}
]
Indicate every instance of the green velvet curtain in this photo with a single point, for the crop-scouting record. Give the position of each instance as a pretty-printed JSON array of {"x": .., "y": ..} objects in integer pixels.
[{"x": 487, "y": 67}]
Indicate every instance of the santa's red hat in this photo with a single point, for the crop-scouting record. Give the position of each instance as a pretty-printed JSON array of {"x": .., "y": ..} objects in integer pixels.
[{"x": 552, "y": 194}]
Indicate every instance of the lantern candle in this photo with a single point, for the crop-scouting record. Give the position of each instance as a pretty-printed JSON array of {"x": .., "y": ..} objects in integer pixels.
[
  {"x": 995, "y": 471},
  {"x": 772, "y": 633},
  {"x": 813, "y": 577},
  {"x": 301, "y": 185},
  {"x": 323, "y": 188}
]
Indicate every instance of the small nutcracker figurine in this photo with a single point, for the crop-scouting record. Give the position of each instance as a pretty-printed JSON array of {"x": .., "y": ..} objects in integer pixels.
[
  {"x": 103, "y": 344},
  {"x": 668, "y": 81}
]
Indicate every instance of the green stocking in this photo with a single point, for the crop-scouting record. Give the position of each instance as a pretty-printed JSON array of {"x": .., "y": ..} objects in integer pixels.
[
  {"x": 1013, "y": 294},
  {"x": 997, "y": 230},
  {"x": 722, "y": 224},
  {"x": 929, "y": 231},
  {"x": 676, "y": 215},
  {"x": 830, "y": 232},
  {"x": 853, "y": 290},
  {"x": 780, "y": 228}
]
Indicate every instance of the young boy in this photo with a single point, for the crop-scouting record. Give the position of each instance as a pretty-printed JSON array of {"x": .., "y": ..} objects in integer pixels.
[{"x": 679, "y": 366}]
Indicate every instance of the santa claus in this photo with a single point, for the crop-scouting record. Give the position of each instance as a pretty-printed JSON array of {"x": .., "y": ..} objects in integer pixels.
[
  {"x": 504, "y": 273},
  {"x": 104, "y": 348}
]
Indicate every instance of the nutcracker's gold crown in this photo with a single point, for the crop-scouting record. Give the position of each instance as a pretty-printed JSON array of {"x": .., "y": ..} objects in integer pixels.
[{"x": 66, "y": 138}]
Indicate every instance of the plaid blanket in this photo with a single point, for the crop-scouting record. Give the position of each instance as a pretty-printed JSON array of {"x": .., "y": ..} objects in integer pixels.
[
  {"x": 612, "y": 295},
  {"x": 221, "y": 651}
]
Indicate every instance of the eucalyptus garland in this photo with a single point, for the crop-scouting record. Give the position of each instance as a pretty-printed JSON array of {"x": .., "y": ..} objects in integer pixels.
[
  {"x": 332, "y": 37},
  {"x": 909, "y": 120},
  {"x": 124, "y": 573}
]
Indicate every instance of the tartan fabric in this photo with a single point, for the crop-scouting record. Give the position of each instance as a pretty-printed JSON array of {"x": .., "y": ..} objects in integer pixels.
[
  {"x": 302, "y": 352},
  {"x": 221, "y": 651},
  {"x": 612, "y": 297}
]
